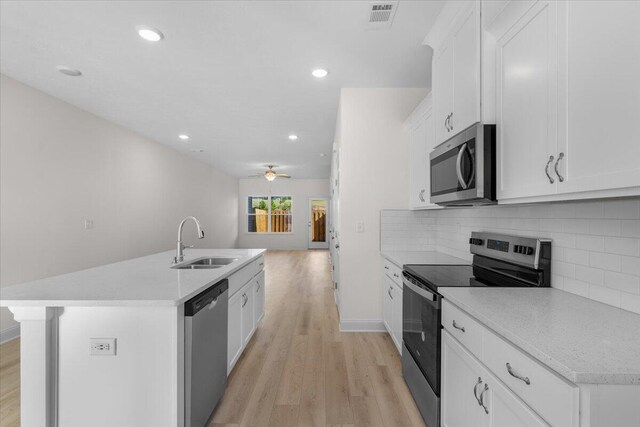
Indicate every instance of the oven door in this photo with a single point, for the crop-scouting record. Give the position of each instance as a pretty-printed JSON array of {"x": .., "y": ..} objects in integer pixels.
[{"x": 421, "y": 329}]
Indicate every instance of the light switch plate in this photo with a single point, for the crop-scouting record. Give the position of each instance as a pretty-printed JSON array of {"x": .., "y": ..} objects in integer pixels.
[{"x": 103, "y": 346}]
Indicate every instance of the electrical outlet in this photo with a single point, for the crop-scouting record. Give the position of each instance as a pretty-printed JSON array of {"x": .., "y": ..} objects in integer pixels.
[
  {"x": 88, "y": 224},
  {"x": 103, "y": 346},
  {"x": 359, "y": 226}
]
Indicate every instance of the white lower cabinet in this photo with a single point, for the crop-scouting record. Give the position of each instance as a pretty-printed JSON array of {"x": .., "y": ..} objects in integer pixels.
[
  {"x": 473, "y": 397},
  {"x": 234, "y": 330},
  {"x": 246, "y": 309},
  {"x": 259, "y": 297},
  {"x": 392, "y": 307},
  {"x": 461, "y": 385}
]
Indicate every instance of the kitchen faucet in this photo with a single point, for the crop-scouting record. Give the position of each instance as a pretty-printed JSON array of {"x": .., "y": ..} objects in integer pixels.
[{"x": 180, "y": 248}]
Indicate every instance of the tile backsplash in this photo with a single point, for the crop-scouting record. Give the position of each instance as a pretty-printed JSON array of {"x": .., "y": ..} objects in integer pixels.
[{"x": 595, "y": 249}]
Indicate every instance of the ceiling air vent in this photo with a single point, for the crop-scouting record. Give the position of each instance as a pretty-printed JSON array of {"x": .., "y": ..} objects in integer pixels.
[{"x": 381, "y": 14}]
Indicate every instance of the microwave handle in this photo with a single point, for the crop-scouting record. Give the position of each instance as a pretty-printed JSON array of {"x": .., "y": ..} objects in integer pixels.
[
  {"x": 459, "y": 166},
  {"x": 461, "y": 180}
]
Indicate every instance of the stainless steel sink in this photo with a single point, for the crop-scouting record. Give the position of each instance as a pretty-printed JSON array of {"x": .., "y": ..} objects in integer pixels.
[{"x": 204, "y": 263}]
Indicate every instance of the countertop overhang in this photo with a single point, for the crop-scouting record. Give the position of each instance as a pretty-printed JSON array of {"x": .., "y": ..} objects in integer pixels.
[{"x": 146, "y": 281}]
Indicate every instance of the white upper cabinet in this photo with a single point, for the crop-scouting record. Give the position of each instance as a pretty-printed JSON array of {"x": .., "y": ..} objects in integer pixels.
[
  {"x": 420, "y": 125},
  {"x": 443, "y": 90},
  {"x": 601, "y": 51},
  {"x": 527, "y": 104},
  {"x": 568, "y": 100},
  {"x": 456, "y": 40}
]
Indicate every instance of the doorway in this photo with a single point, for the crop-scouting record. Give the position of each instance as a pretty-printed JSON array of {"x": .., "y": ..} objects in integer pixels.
[{"x": 318, "y": 221}]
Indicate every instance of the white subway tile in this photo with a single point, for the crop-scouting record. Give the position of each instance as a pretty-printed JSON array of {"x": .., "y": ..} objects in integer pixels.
[
  {"x": 630, "y": 265},
  {"x": 630, "y": 228},
  {"x": 590, "y": 243},
  {"x": 593, "y": 276},
  {"x": 630, "y": 302},
  {"x": 622, "y": 246},
  {"x": 564, "y": 269},
  {"x": 604, "y": 227},
  {"x": 604, "y": 261},
  {"x": 590, "y": 210},
  {"x": 622, "y": 209},
  {"x": 605, "y": 295},
  {"x": 575, "y": 226},
  {"x": 622, "y": 282},
  {"x": 576, "y": 256},
  {"x": 576, "y": 287}
]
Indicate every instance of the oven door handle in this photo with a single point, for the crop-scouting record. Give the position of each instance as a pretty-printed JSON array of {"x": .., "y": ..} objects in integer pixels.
[
  {"x": 430, "y": 296},
  {"x": 461, "y": 180}
]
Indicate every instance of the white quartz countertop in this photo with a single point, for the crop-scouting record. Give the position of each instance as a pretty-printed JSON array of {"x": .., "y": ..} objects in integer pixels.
[
  {"x": 585, "y": 341},
  {"x": 145, "y": 281},
  {"x": 401, "y": 258}
]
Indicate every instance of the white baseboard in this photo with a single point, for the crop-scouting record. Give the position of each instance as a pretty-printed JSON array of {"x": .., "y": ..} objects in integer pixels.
[
  {"x": 362, "y": 326},
  {"x": 9, "y": 334}
]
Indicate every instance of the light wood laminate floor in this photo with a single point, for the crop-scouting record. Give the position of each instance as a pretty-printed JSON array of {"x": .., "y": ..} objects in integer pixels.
[{"x": 298, "y": 369}]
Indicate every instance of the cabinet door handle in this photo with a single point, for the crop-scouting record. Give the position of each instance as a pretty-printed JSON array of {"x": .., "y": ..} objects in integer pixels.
[
  {"x": 546, "y": 170},
  {"x": 555, "y": 167},
  {"x": 457, "y": 327},
  {"x": 258, "y": 288},
  {"x": 475, "y": 391},
  {"x": 389, "y": 292},
  {"x": 451, "y": 120},
  {"x": 244, "y": 299},
  {"x": 396, "y": 275},
  {"x": 446, "y": 120},
  {"x": 486, "y": 387},
  {"x": 516, "y": 375}
]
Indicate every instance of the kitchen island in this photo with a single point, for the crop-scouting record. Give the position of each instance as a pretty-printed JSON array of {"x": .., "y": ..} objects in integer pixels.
[{"x": 140, "y": 304}]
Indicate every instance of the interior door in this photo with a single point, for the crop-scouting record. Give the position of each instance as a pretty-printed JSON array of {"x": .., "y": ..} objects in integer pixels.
[
  {"x": 527, "y": 103},
  {"x": 318, "y": 223}
]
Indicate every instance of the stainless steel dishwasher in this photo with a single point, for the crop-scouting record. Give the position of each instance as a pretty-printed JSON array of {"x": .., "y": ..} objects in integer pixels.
[{"x": 205, "y": 327}]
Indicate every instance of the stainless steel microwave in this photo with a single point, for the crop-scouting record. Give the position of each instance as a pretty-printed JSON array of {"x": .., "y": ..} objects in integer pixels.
[{"x": 463, "y": 168}]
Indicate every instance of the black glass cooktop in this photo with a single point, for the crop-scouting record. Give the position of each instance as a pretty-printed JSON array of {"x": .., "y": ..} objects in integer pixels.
[{"x": 436, "y": 276}]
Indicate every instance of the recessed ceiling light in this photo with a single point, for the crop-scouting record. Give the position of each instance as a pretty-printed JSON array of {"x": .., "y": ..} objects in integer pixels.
[
  {"x": 69, "y": 71},
  {"x": 150, "y": 34},
  {"x": 322, "y": 154},
  {"x": 183, "y": 136},
  {"x": 319, "y": 73},
  {"x": 293, "y": 137}
]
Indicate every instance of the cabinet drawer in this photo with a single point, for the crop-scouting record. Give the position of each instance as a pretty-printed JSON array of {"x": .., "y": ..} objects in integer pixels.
[
  {"x": 238, "y": 279},
  {"x": 466, "y": 329},
  {"x": 552, "y": 398},
  {"x": 393, "y": 271},
  {"x": 258, "y": 264}
]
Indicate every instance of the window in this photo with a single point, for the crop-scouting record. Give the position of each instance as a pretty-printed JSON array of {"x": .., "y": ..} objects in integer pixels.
[{"x": 269, "y": 214}]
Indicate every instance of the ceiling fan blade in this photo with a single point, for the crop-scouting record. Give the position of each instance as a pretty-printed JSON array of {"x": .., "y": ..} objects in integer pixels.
[{"x": 283, "y": 175}]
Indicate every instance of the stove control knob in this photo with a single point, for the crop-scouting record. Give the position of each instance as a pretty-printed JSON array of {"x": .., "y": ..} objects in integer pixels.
[
  {"x": 529, "y": 250},
  {"x": 516, "y": 249},
  {"x": 476, "y": 242}
]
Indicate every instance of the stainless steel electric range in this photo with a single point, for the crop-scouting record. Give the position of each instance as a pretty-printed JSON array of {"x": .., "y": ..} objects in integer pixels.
[{"x": 498, "y": 260}]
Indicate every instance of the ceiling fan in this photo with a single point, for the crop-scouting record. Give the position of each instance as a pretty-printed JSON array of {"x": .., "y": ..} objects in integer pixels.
[{"x": 270, "y": 174}]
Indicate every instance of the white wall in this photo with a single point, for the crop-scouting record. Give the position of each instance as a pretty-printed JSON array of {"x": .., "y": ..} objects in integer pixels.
[
  {"x": 301, "y": 190},
  {"x": 373, "y": 176},
  {"x": 60, "y": 165}
]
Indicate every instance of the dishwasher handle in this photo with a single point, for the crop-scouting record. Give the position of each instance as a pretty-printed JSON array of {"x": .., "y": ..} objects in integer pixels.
[{"x": 204, "y": 298}]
